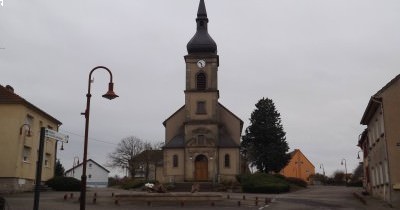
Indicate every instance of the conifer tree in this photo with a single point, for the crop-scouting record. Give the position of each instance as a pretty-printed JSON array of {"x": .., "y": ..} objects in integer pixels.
[{"x": 264, "y": 143}]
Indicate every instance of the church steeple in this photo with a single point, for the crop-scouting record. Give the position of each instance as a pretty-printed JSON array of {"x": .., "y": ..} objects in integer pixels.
[{"x": 202, "y": 41}]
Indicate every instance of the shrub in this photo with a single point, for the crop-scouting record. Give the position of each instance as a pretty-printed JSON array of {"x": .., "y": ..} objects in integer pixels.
[
  {"x": 264, "y": 183},
  {"x": 297, "y": 181},
  {"x": 60, "y": 183},
  {"x": 279, "y": 176},
  {"x": 132, "y": 183}
]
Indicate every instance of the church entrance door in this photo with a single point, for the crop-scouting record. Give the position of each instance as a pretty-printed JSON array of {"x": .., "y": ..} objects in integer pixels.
[{"x": 201, "y": 168}]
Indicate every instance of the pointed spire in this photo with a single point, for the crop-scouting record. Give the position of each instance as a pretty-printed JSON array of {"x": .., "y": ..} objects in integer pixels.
[
  {"x": 202, "y": 12},
  {"x": 202, "y": 41}
]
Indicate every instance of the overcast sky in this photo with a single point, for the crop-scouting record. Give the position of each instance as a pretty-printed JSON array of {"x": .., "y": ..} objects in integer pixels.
[{"x": 319, "y": 60}]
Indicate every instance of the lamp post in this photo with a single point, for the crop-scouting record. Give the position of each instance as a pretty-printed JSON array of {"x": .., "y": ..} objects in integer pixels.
[
  {"x": 321, "y": 166},
  {"x": 345, "y": 168},
  {"x": 109, "y": 95}
]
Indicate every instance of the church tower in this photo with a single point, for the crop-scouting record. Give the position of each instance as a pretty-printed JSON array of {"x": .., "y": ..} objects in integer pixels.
[{"x": 202, "y": 137}]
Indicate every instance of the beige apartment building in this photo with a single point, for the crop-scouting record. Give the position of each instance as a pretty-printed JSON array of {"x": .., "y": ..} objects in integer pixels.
[
  {"x": 202, "y": 138},
  {"x": 20, "y": 123},
  {"x": 381, "y": 143}
]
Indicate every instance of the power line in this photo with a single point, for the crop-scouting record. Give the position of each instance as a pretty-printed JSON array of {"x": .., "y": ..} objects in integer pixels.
[{"x": 106, "y": 142}]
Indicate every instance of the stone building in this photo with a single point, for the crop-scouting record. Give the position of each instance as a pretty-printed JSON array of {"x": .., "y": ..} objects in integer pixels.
[
  {"x": 202, "y": 138},
  {"x": 20, "y": 123},
  {"x": 381, "y": 145}
]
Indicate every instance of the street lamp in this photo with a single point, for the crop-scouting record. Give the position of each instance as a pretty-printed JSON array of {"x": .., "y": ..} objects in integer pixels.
[
  {"x": 358, "y": 154},
  {"x": 109, "y": 95},
  {"x": 345, "y": 168},
  {"x": 321, "y": 166}
]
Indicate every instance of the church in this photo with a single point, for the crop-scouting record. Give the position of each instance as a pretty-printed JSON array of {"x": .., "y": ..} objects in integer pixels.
[{"x": 202, "y": 138}]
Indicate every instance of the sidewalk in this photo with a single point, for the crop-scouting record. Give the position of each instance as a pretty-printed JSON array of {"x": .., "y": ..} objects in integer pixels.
[{"x": 370, "y": 202}]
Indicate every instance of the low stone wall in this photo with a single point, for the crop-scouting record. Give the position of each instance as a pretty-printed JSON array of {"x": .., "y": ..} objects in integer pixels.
[
  {"x": 171, "y": 196},
  {"x": 13, "y": 185}
]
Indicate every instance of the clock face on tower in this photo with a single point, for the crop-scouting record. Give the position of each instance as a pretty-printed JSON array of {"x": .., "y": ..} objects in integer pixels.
[{"x": 201, "y": 63}]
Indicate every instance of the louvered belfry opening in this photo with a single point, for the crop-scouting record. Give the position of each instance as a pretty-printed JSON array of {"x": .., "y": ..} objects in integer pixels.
[{"x": 201, "y": 81}]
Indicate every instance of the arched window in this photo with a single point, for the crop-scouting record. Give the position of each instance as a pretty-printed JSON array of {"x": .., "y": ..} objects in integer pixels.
[
  {"x": 201, "y": 82},
  {"x": 175, "y": 161},
  {"x": 227, "y": 161}
]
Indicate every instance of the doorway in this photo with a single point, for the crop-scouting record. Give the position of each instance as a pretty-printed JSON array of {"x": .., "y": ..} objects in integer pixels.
[{"x": 201, "y": 168}]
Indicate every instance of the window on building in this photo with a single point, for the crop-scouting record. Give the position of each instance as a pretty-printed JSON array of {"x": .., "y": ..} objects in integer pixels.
[
  {"x": 385, "y": 164},
  {"x": 200, "y": 140},
  {"x": 90, "y": 165},
  {"x": 175, "y": 161},
  {"x": 201, "y": 107},
  {"x": 227, "y": 161},
  {"x": 26, "y": 154},
  {"x": 47, "y": 159},
  {"x": 90, "y": 176},
  {"x": 201, "y": 82},
  {"x": 29, "y": 120}
]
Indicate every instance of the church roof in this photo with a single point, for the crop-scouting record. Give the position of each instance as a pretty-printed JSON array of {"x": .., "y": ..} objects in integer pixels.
[
  {"x": 176, "y": 142},
  {"x": 226, "y": 141},
  {"x": 202, "y": 41}
]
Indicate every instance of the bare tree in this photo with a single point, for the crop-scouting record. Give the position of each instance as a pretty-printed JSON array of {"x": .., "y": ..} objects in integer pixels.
[{"x": 125, "y": 153}]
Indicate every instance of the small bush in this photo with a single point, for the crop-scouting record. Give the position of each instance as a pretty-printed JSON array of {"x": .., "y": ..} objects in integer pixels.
[
  {"x": 297, "y": 181},
  {"x": 60, "y": 183},
  {"x": 279, "y": 176},
  {"x": 264, "y": 183},
  {"x": 132, "y": 183}
]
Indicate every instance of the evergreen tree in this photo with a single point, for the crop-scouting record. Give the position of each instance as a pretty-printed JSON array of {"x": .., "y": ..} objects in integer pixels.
[
  {"x": 264, "y": 143},
  {"x": 59, "y": 169}
]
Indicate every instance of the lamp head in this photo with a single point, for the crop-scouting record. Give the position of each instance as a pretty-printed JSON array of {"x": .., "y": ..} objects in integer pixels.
[
  {"x": 110, "y": 93},
  {"x": 358, "y": 155}
]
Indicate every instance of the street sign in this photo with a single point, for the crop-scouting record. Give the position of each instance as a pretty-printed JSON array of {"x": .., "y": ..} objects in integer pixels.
[{"x": 56, "y": 135}]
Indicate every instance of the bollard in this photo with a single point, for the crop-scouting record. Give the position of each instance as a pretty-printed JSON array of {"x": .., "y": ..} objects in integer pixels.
[
  {"x": 148, "y": 203},
  {"x": 71, "y": 195},
  {"x": 65, "y": 196},
  {"x": 256, "y": 203},
  {"x": 95, "y": 195},
  {"x": 228, "y": 196},
  {"x": 212, "y": 204},
  {"x": 116, "y": 202},
  {"x": 256, "y": 198},
  {"x": 112, "y": 194},
  {"x": 244, "y": 197},
  {"x": 238, "y": 203},
  {"x": 94, "y": 200},
  {"x": 182, "y": 203}
]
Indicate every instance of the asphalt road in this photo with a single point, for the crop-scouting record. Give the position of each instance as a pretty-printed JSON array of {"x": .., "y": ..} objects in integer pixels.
[{"x": 315, "y": 197}]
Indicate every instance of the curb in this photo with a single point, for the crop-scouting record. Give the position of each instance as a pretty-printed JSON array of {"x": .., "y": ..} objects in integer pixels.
[{"x": 360, "y": 198}]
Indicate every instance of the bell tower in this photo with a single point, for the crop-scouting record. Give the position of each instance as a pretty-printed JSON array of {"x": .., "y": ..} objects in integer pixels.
[
  {"x": 202, "y": 138},
  {"x": 201, "y": 91}
]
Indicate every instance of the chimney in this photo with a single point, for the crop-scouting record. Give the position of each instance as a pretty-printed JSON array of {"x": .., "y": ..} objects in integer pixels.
[{"x": 9, "y": 88}]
